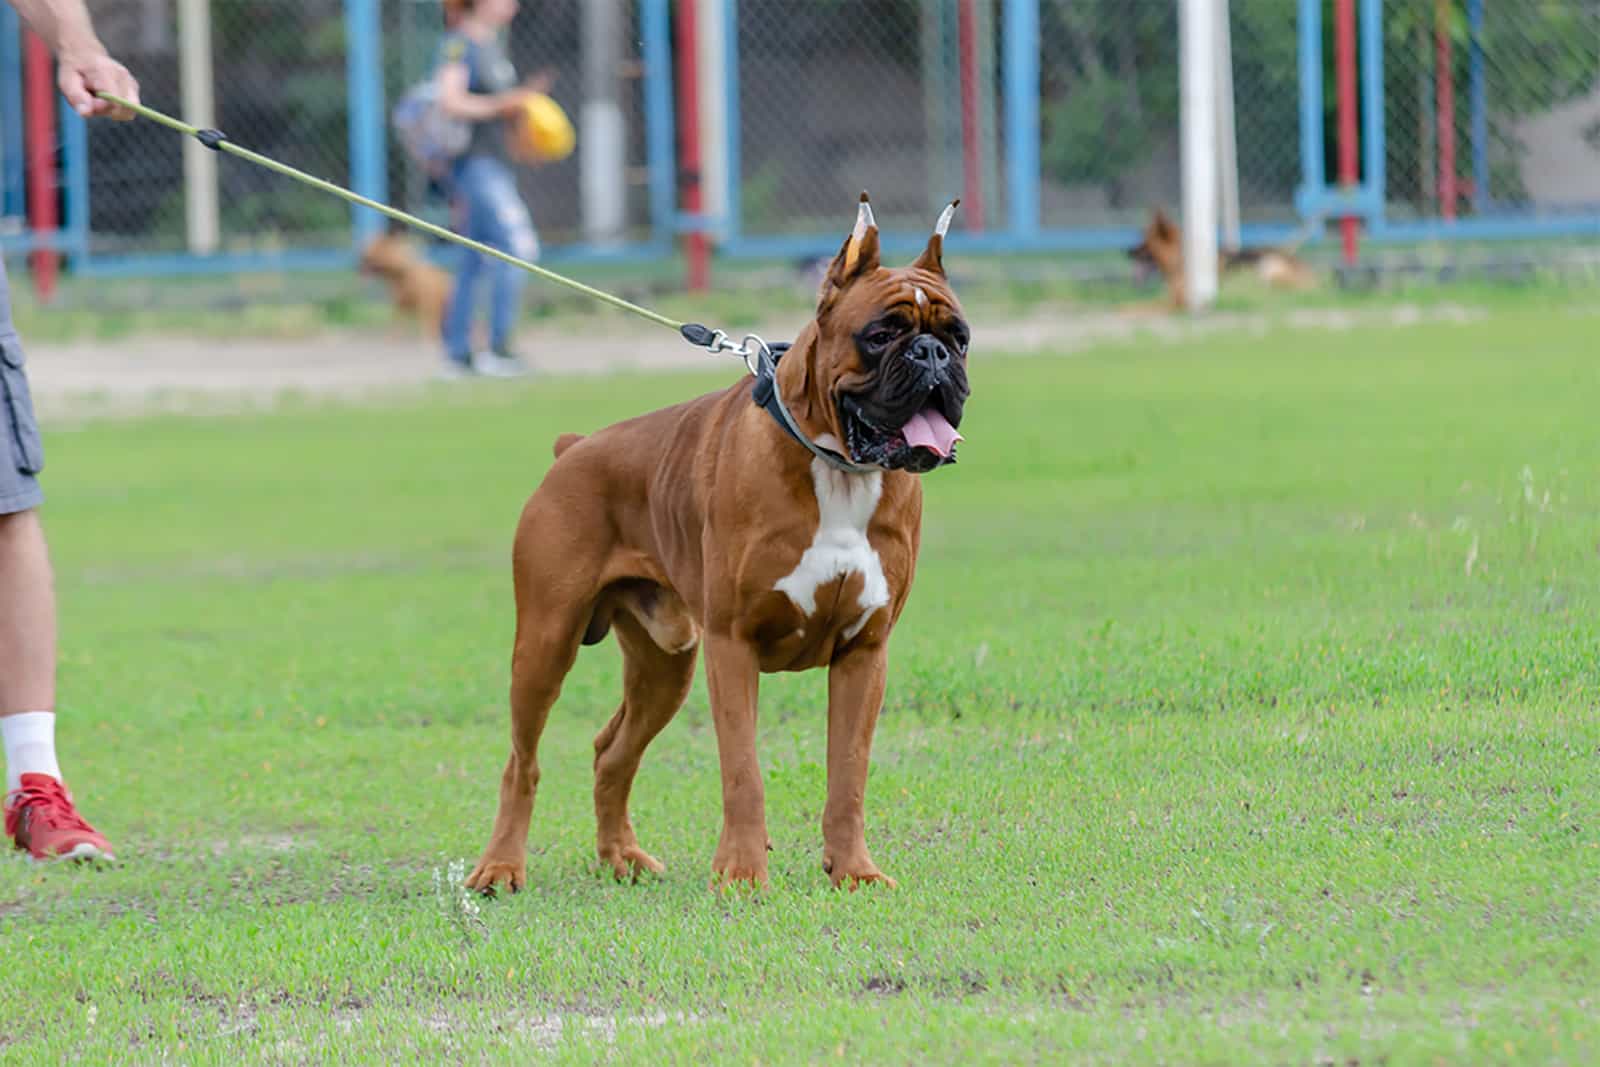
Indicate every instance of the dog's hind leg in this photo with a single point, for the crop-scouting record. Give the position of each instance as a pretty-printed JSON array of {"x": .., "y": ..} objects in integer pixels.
[
  {"x": 556, "y": 565},
  {"x": 542, "y": 658},
  {"x": 655, "y": 682}
]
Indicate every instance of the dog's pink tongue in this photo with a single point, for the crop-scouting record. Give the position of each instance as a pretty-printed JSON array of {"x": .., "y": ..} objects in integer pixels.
[{"x": 929, "y": 428}]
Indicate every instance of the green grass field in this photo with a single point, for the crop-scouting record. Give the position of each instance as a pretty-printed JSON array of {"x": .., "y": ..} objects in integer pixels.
[{"x": 1247, "y": 709}]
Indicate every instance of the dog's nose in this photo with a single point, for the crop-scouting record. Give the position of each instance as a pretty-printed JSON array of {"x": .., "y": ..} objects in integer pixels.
[{"x": 930, "y": 353}]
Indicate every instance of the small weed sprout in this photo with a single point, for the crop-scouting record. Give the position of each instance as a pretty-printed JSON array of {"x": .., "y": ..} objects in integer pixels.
[{"x": 457, "y": 903}]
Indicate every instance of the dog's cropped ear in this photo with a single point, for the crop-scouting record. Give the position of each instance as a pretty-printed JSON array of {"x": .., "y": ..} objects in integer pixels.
[
  {"x": 858, "y": 255},
  {"x": 932, "y": 258},
  {"x": 1163, "y": 225}
]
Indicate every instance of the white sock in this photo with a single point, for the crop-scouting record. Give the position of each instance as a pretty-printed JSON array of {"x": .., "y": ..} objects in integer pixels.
[{"x": 30, "y": 740}]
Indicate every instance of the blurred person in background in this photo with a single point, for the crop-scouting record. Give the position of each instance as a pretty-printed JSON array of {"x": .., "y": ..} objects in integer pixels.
[
  {"x": 478, "y": 85},
  {"x": 39, "y": 814}
]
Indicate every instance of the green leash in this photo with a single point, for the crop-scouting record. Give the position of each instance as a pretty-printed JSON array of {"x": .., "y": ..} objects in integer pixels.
[{"x": 216, "y": 140}]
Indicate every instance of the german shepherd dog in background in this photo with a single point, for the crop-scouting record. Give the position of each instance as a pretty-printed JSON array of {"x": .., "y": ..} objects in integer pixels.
[{"x": 1162, "y": 250}]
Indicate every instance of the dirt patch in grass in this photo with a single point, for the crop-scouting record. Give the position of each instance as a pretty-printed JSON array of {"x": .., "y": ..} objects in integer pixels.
[{"x": 87, "y": 379}]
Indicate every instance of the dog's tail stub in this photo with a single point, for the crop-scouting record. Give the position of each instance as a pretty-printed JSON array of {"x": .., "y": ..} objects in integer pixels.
[{"x": 566, "y": 441}]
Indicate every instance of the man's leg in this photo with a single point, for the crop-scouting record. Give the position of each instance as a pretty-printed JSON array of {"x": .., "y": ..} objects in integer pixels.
[
  {"x": 27, "y": 593},
  {"x": 39, "y": 814},
  {"x": 27, "y": 649}
]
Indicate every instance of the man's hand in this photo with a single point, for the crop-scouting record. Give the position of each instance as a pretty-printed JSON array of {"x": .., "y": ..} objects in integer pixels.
[{"x": 83, "y": 71}]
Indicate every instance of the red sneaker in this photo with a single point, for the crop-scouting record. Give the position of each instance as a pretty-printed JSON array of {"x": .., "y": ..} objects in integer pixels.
[{"x": 41, "y": 819}]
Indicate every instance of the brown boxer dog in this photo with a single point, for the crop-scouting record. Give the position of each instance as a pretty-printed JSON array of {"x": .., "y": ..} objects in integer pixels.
[{"x": 714, "y": 523}]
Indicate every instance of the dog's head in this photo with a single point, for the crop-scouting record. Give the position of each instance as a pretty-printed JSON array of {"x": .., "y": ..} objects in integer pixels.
[
  {"x": 389, "y": 255},
  {"x": 1161, "y": 246},
  {"x": 887, "y": 375}
]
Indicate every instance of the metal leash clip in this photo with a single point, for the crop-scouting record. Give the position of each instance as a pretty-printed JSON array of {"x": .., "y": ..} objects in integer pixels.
[
  {"x": 755, "y": 351},
  {"x": 751, "y": 349}
]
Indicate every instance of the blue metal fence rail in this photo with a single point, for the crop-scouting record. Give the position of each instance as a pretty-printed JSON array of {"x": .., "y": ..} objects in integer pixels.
[{"x": 369, "y": 171}]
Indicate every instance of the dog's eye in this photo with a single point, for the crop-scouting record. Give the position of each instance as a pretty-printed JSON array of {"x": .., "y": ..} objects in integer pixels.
[
  {"x": 959, "y": 335},
  {"x": 881, "y": 336}
]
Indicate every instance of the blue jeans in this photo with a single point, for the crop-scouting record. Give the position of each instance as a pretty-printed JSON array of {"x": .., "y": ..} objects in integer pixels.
[{"x": 487, "y": 204}]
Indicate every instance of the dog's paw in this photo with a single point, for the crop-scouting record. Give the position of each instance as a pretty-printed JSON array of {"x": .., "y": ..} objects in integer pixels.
[
  {"x": 488, "y": 875},
  {"x": 853, "y": 874},
  {"x": 735, "y": 866},
  {"x": 735, "y": 877},
  {"x": 627, "y": 862}
]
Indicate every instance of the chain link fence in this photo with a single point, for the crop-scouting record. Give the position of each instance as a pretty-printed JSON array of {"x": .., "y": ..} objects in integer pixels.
[
  {"x": 906, "y": 98},
  {"x": 835, "y": 98},
  {"x": 902, "y": 97},
  {"x": 280, "y": 89},
  {"x": 1110, "y": 110},
  {"x": 1518, "y": 85},
  {"x": 839, "y": 96},
  {"x": 135, "y": 176}
]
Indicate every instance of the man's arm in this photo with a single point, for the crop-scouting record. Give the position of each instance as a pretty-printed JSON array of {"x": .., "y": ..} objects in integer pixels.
[{"x": 84, "y": 65}]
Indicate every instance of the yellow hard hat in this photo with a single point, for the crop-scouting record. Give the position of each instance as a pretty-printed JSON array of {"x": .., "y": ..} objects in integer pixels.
[{"x": 544, "y": 131}]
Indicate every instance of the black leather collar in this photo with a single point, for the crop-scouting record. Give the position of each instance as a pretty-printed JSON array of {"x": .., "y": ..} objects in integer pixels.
[{"x": 765, "y": 394}]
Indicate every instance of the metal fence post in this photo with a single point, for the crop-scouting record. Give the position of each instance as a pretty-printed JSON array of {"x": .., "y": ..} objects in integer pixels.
[
  {"x": 75, "y": 183},
  {"x": 1312, "y": 176},
  {"x": 11, "y": 111},
  {"x": 197, "y": 85},
  {"x": 1021, "y": 59},
  {"x": 1373, "y": 109},
  {"x": 730, "y": 231},
  {"x": 1197, "y": 72},
  {"x": 656, "y": 39},
  {"x": 368, "y": 144},
  {"x": 1480, "y": 111}
]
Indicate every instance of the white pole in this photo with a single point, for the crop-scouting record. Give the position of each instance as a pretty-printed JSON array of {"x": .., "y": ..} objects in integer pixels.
[
  {"x": 602, "y": 157},
  {"x": 711, "y": 59},
  {"x": 1227, "y": 140},
  {"x": 201, "y": 214},
  {"x": 1198, "y": 58}
]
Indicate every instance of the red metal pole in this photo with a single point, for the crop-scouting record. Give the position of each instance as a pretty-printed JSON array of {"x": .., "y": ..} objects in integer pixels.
[
  {"x": 1349, "y": 138},
  {"x": 697, "y": 246},
  {"x": 1444, "y": 98},
  {"x": 40, "y": 126},
  {"x": 971, "y": 135}
]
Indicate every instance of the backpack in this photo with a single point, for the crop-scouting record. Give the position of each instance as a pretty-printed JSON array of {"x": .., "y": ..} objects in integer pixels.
[{"x": 431, "y": 138}]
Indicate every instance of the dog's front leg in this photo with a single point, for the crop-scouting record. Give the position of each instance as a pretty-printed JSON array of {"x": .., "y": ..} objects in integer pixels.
[
  {"x": 855, "y": 693},
  {"x": 733, "y": 676}
]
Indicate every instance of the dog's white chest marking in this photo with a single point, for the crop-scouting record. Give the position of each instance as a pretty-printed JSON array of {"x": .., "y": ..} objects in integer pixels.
[{"x": 845, "y": 504}]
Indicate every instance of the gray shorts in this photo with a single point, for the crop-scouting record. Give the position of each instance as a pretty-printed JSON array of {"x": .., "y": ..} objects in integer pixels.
[{"x": 21, "y": 452}]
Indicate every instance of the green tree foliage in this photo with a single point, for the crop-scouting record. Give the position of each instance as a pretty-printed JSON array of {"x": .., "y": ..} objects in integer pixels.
[{"x": 1110, "y": 80}]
